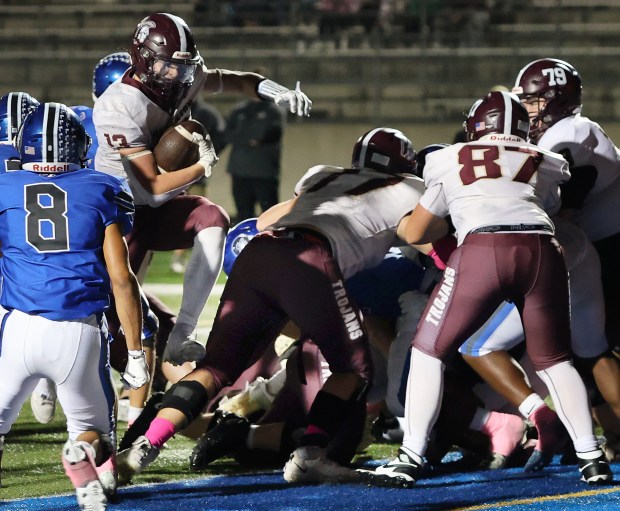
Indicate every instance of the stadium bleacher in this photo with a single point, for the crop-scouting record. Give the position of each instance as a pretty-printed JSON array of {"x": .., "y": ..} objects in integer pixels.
[{"x": 390, "y": 72}]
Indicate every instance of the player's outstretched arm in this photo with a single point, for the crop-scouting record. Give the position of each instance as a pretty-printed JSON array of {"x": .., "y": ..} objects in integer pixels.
[{"x": 254, "y": 85}]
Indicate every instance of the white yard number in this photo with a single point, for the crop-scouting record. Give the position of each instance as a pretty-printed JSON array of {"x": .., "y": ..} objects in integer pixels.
[{"x": 557, "y": 75}]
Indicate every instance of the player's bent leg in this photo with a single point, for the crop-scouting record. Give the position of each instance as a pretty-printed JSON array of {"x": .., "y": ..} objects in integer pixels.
[
  {"x": 569, "y": 395},
  {"x": 78, "y": 459},
  {"x": 202, "y": 271},
  {"x": 181, "y": 404}
]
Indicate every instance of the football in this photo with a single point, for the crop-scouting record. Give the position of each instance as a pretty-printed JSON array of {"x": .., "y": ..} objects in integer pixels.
[{"x": 176, "y": 148}]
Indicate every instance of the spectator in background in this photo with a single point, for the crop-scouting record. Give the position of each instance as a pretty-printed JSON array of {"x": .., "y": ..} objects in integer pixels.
[{"x": 254, "y": 131}]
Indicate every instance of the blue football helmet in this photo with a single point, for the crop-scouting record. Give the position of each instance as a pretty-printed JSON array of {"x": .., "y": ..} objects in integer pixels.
[
  {"x": 85, "y": 113},
  {"x": 108, "y": 70},
  {"x": 423, "y": 153},
  {"x": 236, "y": 240},
  {"x": 52, "y": 139},
  {"x": 14, "y": 107}
]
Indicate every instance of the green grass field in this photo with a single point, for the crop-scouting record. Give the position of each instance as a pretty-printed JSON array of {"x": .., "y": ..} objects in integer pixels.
[{"x": 31, "y": 461}]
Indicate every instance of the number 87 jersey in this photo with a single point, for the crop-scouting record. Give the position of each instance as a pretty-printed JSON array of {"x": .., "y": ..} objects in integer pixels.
[
  {"x": 52, "y": 229},
  {"x": 498, "y": 180}
]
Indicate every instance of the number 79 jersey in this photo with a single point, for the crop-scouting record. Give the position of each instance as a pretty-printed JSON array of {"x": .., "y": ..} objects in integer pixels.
[
  {"x": 494, "y": 181},
  {"x": 52, "y": 229}
]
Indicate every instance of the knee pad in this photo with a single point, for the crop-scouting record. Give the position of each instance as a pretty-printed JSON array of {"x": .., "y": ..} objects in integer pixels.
[{"x": 189, "y": 397}]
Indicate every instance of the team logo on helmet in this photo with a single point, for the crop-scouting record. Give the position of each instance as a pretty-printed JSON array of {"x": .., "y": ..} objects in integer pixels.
[
  {"x": 143, "y": 29},
  {"x": 236, "y": 240}
]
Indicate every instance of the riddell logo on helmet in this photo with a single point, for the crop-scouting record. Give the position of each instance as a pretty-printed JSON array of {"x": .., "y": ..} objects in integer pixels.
[
  {"x": 50, "y": 167},
  {"x": 504, "y": 138},
  {"x": 182, "y": 55}
]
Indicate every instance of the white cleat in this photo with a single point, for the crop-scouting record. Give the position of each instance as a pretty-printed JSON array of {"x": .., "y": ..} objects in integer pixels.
[
  {"x": 134, "y": 460},
  {"x": 310, "y": 465}
]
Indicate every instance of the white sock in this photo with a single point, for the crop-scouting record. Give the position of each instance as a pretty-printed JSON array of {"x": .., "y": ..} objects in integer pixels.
[
  {"x": 571, "y": 403},
  {"x": 133, "y": 413},
  {"x": 202, "y": 270},
  {"x": 423, "y": 400},
  {"x": 530, "y": 404}
]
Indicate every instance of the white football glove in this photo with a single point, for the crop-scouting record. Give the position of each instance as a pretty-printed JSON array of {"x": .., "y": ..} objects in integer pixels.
[
  {"x": 207, "y": 157},
  {"x": 136, "y": 372},
  {"x": 296, "y": 100}
]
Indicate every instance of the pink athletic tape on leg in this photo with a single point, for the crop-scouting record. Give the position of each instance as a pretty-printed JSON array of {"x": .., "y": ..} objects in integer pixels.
[
  {"x": 160, "y": 431},
  {"x": 314, "y": 430}
]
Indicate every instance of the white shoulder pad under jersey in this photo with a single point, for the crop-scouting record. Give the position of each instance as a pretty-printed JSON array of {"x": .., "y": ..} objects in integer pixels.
[
  {"x": 588, "y": 145},
  {"x": 125, "y": 117},
  {"x": 358, "y": 210},
  {"x": 497, "y": 180},
  {"x": 307, "y": 179}
]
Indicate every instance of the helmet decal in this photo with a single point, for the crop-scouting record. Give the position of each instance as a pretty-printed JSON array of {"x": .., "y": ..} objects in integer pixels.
[
  {"x": 143, "y": 29},
  {"x": 236, "y": 240}
]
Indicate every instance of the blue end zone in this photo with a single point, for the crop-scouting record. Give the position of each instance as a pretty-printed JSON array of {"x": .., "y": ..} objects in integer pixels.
[{"x": 556, "y": 488}]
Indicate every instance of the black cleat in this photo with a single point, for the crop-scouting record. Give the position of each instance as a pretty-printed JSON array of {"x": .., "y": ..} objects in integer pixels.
[
  {"x": 226, "y": 436},
  {"x": 595, "y": 470},
  {"x": 401, "y": 472}
]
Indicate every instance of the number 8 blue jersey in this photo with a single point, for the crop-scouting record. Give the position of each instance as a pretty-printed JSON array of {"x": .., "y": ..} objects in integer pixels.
[{"x": 52, "y": 230}]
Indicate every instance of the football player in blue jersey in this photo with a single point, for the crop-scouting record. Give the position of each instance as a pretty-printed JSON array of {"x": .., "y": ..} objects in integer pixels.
[
  {"x": 109, "y": 69},
  {"x": 61, "y": 230},
  {"x": 43, "y": 399},
  {"x": 14, "y": 107}
]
